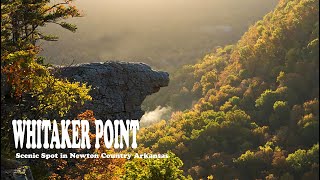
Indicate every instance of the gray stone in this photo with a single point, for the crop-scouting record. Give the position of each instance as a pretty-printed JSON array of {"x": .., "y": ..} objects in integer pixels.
[{"x": 118, "y": 88}]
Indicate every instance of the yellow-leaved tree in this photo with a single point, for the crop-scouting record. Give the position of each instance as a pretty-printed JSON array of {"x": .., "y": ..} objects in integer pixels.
[{"x": 29, "y": 89}]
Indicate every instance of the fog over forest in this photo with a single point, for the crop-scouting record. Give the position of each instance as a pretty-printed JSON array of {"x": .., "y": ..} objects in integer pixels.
[{"x": 162, "y": 33}]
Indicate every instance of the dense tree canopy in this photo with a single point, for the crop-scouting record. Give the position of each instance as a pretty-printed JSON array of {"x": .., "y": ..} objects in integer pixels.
[{"x": 257, "y": 113}]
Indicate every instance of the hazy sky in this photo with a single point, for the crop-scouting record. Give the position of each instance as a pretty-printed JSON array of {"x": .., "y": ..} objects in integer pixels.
[{"x": 162, "y": 33}]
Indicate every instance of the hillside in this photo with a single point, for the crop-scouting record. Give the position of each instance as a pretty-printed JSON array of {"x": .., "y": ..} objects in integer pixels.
[{"x": 257, "y": 115}]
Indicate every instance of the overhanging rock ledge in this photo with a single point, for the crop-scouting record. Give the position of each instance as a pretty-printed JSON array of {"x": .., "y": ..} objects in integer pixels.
[{"x": 117, "y": 88}]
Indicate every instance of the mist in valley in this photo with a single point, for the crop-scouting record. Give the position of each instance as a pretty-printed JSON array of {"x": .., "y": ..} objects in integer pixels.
[
  {"x": 165, "y": 34},
  {"x": 162, "y": 33}
]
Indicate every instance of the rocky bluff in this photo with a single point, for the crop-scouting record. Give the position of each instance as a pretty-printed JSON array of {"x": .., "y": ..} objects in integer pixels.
[{"x": 117, "y": 88}]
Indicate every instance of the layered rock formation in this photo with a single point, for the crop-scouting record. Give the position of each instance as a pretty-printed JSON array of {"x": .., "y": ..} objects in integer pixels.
[{"x": 118, "y": 88}]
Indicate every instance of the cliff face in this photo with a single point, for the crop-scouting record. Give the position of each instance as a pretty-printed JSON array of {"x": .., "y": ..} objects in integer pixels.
[{"x": 118, "y": 88}]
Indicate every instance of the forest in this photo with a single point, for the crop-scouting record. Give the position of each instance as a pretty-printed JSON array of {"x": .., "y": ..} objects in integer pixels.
[
  {"x": 248, "y": 110},
  {"x": 257, "y": 116}
]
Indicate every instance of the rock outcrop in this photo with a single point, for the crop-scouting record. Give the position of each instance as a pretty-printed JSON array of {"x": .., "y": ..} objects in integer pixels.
[{"x": 118, "y": 88}]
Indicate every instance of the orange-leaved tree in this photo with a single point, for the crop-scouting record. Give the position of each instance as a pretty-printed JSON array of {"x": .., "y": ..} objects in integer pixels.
[{"x": 29, "y": 90}]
